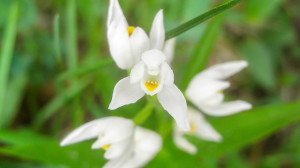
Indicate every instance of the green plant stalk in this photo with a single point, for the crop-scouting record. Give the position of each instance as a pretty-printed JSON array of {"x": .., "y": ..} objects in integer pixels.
[
  {"x": 56, "y": 35},
  {"x": 7, "y": 52},
  {"x": 202, "y": 51},
  {"x": 199, "y": 19},
  {"x": 71, "y": 34},
  {"x": 142, "y": 116}
]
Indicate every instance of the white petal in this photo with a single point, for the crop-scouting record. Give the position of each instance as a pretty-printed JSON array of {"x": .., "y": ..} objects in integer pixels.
[
  {"x": 174, "y": 103},
  {"x": 182, "y": 143},
  {"x": 139, "y": 43},
  {"x": 169, "y": 49},
  {"x": 224, "y": 70},
  {"x": 137, "y": 72},
  {"x": 119, "y": 45},
  {"x": 201, "y": 89},
  {"x": 168, "y": 75},
  {"x": 98, "y": 127},
  {"x": 227, "y": 108},
  {"x": 203, "y": 129},
  {"x": 117, "y": 35},
  {"x": 148, "y": 144},
  {"x": 125, "y": 93},
  {"x": 153, "y": 59},
  {"x": 157, "y": 33},
  {"x": 115, "y": 13}
]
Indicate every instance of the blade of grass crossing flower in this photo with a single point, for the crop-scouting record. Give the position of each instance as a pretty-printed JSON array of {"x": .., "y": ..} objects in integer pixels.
[
  {"x": 58, "y": 102},
  {"x": 199, "y": 19},
  {"x": 7, "y": 52},
  {"x": 201, "y": 53}
]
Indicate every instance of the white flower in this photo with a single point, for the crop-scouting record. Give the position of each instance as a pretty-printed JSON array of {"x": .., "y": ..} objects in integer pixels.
[
  {"x": 199, "y": 127},
  {"x": 147, "y": 145},
  {"x": 115, "y": 135},
  {"x": 152, "y": 76},
  {"x": 206, "y": 90},
  {"x": 127, "y": 43}
]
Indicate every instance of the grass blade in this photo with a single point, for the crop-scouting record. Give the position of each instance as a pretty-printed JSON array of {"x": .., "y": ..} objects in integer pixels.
[
  {"x": 199, "y": 19},
  {"x": 57, "y": 39},
  {"x": 6, "y": 53},
  {"x": 71, "y": 34}
]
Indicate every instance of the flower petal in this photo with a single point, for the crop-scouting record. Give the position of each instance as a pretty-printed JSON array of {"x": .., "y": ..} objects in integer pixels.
[
  {"x": 137, "y": 72},
  {"x": 224, "y": 70},
  {"x": 118, "y": 38},
  {"x": 169, "y": 49},
  {"x": 182, "y": 143},
  {"x": 125, "y": 93},
  {"x": 139, "y": 43},
  {"x": 168, "y": 75},
  {"x": 174, "y": 103},
  {"x": 227, "y": 108},
  {"x": 98, "y": 127},
  {"x": 203, "y": 129},
  {"x": 157, "y": 33},
  {"x": 148, "y": 144},
  {"x": 153, "y": 59},
  {"x": 200, "y": 89}
]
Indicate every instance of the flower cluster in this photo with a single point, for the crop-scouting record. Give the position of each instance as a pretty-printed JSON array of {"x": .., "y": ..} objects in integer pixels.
[{"x": 148, "y": 59}]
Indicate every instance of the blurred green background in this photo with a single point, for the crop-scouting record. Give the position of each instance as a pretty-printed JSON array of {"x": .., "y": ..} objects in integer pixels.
[{"x": 61, "y": 75}]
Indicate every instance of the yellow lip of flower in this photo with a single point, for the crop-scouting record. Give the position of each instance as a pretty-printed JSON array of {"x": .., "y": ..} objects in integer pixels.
[
  {"x": 193, "y": 128},
  {"x": 151, "y": 86},
  {"x": 105, "y": 147},
  {"x": 130, "y": 30},
  {"x": 220, "y": 91}
]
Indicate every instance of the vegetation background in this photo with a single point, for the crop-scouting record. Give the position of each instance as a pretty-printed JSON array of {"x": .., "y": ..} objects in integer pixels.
[{"x": 57, "y": 74}]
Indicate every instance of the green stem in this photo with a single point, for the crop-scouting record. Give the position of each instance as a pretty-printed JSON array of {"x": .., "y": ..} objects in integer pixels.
[
  {"x": 7, "y": 52},
  {"x": 143, "y": 114}
]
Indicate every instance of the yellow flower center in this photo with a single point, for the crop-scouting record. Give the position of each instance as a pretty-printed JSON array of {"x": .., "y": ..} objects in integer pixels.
[
  {"x": 130, "y": 30},
  {"x": 105, "y": 147},
  {"x": 151, "y": 86},
  {"x": 193, "y": 128},
  {"x": 220, "y": 91}
]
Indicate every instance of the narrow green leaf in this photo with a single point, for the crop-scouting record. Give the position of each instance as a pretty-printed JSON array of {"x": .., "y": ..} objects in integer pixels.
[
  {"x": 71, "y": 34},
  {"x": 58, "y": 102},
  {"x": 56, "y": 35},
  {"x": 7, "y": 52},
  {"x": 199, "y": 19},
  {"x": 261, "y": 63},
  {"x": 15, "y": 92},
  {"x": 202, "y": 51}
]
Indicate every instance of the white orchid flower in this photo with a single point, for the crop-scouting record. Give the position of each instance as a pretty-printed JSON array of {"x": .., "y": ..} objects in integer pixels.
[
  {"x": 206, "y": 90},
  {"x": 147, "y": 144},
  {"x": 115, "y": 135},
  {"x": 199, "y": 128},
  {"x": 127, "y": 43},
  {"x": 152, "y": 75}
]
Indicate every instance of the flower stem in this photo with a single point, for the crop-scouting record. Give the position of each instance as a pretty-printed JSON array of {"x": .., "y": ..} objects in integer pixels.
[{"x": 143, "y": 114}]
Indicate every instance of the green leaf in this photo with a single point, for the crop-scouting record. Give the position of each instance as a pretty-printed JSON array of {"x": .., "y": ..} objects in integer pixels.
[
  {"x": 247, "y": 127},
  {"x": 202, "y": 51},
  {"x": 56, "y": 41},
  {"x": 260, "y": 62},
  {"x": 199, "y": 19},
  {"x": 7, "y": 52}
]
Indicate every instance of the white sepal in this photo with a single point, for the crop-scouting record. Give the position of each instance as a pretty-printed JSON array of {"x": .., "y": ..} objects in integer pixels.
[{"x": 157, "y": 33}]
